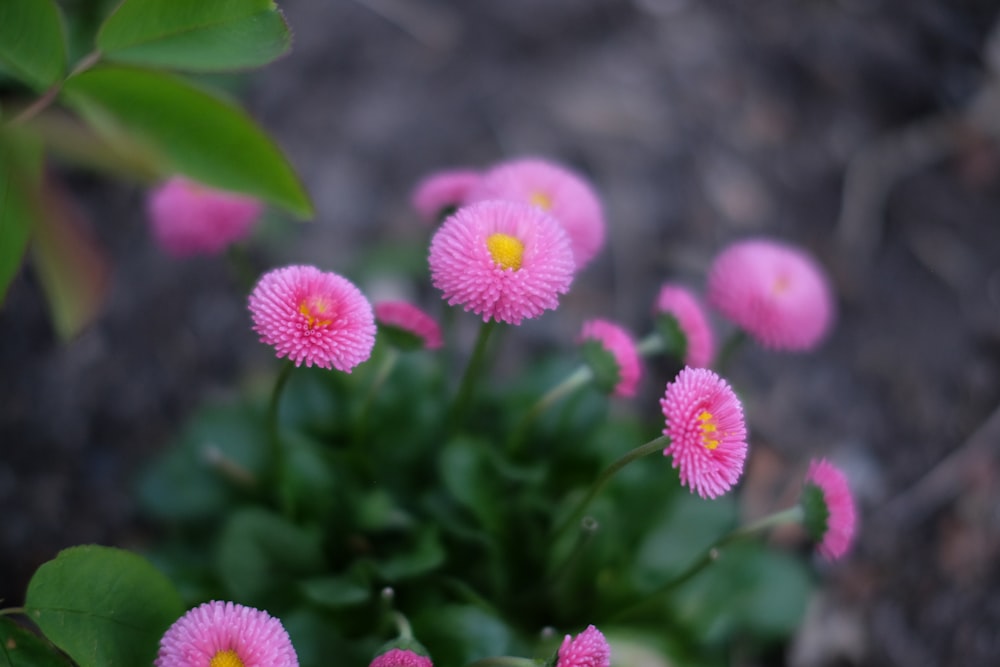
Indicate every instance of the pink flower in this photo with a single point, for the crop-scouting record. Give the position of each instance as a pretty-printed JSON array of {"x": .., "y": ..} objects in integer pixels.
[
  {"x": 313, "y": 317},
  {"x": 191, "y": 219},
  {"x": 775, "y": 292},
  {"x": 704, "y": 421},
  {"x": 587, "y": 649},
  {"x": 502, "y": 260},
  {"x": 411, "y": 320},
  {"x": 620, "y": 345},
  {"x": 680, "y": 303},
  {"x": 442, "y": 192},
  {"x": 554, "y": 189},
  {"x": 829, "y": 509},
  {"x": 398, "y": 657},
  {"x": 223, "y": 634}
]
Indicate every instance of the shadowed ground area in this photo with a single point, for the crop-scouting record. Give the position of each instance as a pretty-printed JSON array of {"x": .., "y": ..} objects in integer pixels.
[{"x": 864, "y": 130}]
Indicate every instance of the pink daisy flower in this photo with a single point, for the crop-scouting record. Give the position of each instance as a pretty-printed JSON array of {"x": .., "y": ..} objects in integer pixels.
[
  {"x": 708, "y": 436},
  {"x": 223, "y": 634},
  {"x": 829, "y": 509},
  {"x": 555, "y": 189},
  {"x": 442, "y": 192},
  {"x": 502, "y": 260},
  {"x": 407, "y": 318},
  {"x": 587, "y": 649},
  {"x": 775, "y": 292},
  {"x": 681, "y": 304},
  {"x": 191, "y": 219},
  {"x": 618, "y": 343},
  {"x": 313, "y": 317},
  {"x": 398, "y": 657}
]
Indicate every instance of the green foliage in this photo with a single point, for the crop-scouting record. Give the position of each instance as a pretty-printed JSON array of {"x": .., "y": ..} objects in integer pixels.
[
  {"x": 85, "y": 597},
  {"x": 31, "y": 41},
  {"x": 21, "y": 648},
  {"x": 185, "y": 129},
  {"x": 20, "y": 199},
  {"x": 195, "y": 35}
]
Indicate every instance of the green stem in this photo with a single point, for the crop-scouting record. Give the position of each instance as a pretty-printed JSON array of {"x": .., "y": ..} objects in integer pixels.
[
  {"x": 381, "y": 375},
  {"x": 588, "y": 529},
  {"x": 50, "y": 95},
  {"x": 650, "y": 345},
  {"x": 657, "y": 444},
  {"x": 729, "y": 349},
  {"x": 712, "y": 554},
  {"x": 9, "y": 611},
  {"x": 505, "y": 661},
  {"x": 402, "y": 625},
  {"x": 571, "y": 383},
  {"x": 273, "y": 431},
  {"x": 472, "y": 371}
]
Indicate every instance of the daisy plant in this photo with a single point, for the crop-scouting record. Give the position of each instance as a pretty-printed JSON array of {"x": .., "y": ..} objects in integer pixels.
[{"x": 398, "y": 486}]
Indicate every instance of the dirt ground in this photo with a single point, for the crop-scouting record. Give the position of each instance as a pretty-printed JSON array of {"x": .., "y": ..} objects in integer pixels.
[{"x": 865, "y": 130}]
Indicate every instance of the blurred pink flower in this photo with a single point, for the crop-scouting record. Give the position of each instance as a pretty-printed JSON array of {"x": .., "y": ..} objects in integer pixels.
[
  {"x": 681, "y": 303},
  {"x": 704, "y": 421},
  {"x": 313, "y": 317},
  {"x": 407, "y": 317},
  {"x": 775, "y": 292},
  {"x": 587, "y": 649},
  {"x": 829, "y": 508},
  {"x": 559, "y": 191},
  {"x": 224, "y": 634},
  {"x": 398, "y": 657},
  {"x": 502, "y": 260},
  {"x": 441, "y": 192},
  {"x": 620, "y": 344},
  {"x": 191, "y": 219}
]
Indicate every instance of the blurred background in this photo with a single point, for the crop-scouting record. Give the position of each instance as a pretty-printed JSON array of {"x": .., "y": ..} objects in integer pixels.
[{"x": 865, "y": 130}]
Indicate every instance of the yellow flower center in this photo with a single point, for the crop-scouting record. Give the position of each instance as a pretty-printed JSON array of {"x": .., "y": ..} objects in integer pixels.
[
  {"x": 708, "y": 430},
  {"x": 505, "y": 250},
  {"x": 541, "y": 200},
  {"x": 227, "y": 658},
  {"x": 314, "y": 308}
]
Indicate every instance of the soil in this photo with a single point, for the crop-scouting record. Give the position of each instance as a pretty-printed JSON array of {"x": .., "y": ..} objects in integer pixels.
[{"x": 863, "y": 130}]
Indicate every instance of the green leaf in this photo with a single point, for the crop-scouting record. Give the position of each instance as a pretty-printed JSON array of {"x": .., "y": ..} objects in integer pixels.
[
  {"x": 260, "y": 555},
  {"x": 337, "y": 592},
  {"x": 20, "y": 170},
  {"x": 71, "y": 266},
  {"x": 104, "y": 607},
  {"x": 20, "y": 648},
  {"x": 185, "y": 129},
  {"x": 458, "y": 635},
  {"x": 31, "y": 41},
  {"x": 195, "y": 35},
  {"x": 425, "y": 555}
]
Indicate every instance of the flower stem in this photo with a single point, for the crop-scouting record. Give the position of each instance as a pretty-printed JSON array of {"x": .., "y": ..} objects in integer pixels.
[
  {"x": 712, "y": 554},
  {"x": 588, "y": 529},
  {"x": 381, "y": 375},
  {"x": 273, "y": 431},
  {"x": 472, "y": 371},
  {"x": 651, "y": 344},
  {"x": 402, "y": 625},
  {"x": 579, "y": 377},
  {"x": 657, "y": 444}
]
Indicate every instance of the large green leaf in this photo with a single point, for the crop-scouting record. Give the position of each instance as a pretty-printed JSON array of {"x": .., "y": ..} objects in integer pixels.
[
  {"x": 70, "y": 264},
  {"x": 186, "y": 130},
  {"x": 20, "y": 648},
  {"x": 104, "y": 607},
  {"x": 20, "y": 167},
  {"x": 31, "y": 41},
  {"x": 195, "y": 35}
]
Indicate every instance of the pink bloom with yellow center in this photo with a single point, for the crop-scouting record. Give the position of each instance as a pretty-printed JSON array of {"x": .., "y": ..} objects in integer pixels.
[
  {"x": 587, "y": 649},
  {"x": 829, "y": 508},
  {"x": 559, "y": 191},
  {"x": 313, "y": 317},
  {"x": 775, "y": 292},
  {"x": 193, "y": 219},
  {"x": 501, "y": 260},
  {"x": 442, "y": 192},
  {"x": 708, "y": 436},
  {"x": 681, "y": 303},
  {"x": 398, "y": 657},
  {"x": 224, "y": 634},
  {"x": 620, "y": 344},
  {"x": 407, "y": 317}
]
